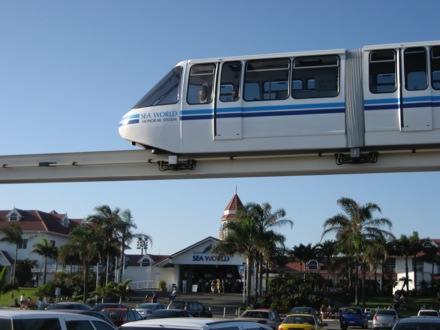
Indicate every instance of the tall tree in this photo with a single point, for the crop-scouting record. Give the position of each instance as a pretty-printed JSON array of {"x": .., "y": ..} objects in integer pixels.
[
  {"x": 82, "y": 241},
  {"x": 408, "y": 246},
  {"x": 266, "y": 221},
  {"x": 241, "y": 238},
  {"x": 46, "y": 250},
  {"x": 354, "y": 228},
  {"x": 13, "y": 235},
  {"x": 106, "y": 222}
]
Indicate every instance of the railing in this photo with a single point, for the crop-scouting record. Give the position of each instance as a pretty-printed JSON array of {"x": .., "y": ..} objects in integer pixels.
[{"x": 145, "y": 285}]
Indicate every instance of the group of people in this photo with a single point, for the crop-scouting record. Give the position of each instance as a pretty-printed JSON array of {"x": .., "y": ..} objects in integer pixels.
[
  {"x": 26, "y": 303},
  {"x": 153, "y": 297}
]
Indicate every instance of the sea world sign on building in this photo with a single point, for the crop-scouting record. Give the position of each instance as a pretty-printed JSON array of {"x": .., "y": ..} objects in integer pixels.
[
  {"x": 204, "y": 256},
  {"x": 158, "y": 116},
  {"x": 210, "y": 258}
]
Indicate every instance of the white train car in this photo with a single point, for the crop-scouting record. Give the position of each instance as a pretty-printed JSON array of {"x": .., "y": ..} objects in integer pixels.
[{"x": 380, "y": 97}]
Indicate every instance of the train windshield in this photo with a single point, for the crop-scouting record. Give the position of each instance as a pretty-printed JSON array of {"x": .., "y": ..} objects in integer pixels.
[{"x": 166, "y": 91}]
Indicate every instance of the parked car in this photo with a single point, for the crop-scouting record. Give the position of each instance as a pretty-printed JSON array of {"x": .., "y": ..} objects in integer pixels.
[
  {"x": 147, "y": 309},
  {"x": 90, "y": 313},
  {"x": 418, "y": 322},
  {"x": 193, "y": 323},
  {"x": 267, "y": 317},
  {"x": 304, "y": 310},
  {"x": 167, "y": 313},
  {"x": 385, "y": 319},
  {"x": 101, "y": 306},
  {"x": 428, "y": 312},
  {"x": 120, "y": 316},
  {"x": 44, "y": 320},
  {"x": 368, "y": 313},
  {"x": 301, "y": 321},
  {"x": 69, "y": 305},
  {"x": 194, "y": 307},
  {"x": 352, "y": 316}
]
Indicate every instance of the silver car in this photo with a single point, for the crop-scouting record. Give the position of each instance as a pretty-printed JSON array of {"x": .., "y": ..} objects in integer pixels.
[
  {"x": 385, "y": 319},
  {"x": 147, "y": 309}
]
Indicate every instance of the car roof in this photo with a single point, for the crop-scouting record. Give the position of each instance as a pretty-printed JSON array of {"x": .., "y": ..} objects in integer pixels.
[
  {"x": 420, "y": 320},
  {"x": 27, "y": 314},
  {"x": 188, "y": 323}
]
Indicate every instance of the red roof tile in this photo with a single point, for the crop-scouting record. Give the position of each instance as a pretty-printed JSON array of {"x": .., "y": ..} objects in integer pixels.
[{"x": 34, "y": 220}]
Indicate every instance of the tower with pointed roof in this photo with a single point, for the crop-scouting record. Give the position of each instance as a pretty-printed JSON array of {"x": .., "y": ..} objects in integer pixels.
[{"x": 229, "y": 214}]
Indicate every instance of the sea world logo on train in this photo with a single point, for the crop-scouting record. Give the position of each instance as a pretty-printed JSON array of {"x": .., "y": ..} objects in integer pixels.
[
  {"x": 158, "y": 116},
  {"x": 205, "y": 256}
]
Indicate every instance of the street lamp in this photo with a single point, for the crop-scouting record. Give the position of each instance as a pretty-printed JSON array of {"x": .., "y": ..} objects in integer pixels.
[{"x": 142, "y": 244}]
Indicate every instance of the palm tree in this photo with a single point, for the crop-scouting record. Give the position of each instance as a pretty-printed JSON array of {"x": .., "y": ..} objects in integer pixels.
[
  {"x": 14, "y": 235},
  {"x": 46, "y": 250},
  {"x": 82, "y": 239},
  {"x": 266, "y": 221},
  {"x": 355, "y": 228},
  {"x": 408, "y": 246},
  {"x": 304, "y": 253},
  {"x": 241, "y": 238},
  {"x": 125, "y": 235},
  {"x": 106, "y": 222}
]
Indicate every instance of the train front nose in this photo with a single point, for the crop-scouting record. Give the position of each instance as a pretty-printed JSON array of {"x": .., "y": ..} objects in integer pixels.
[{"x": 127, "y": 126}]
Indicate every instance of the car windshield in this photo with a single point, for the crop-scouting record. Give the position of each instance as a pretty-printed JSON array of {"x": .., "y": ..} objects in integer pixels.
[
  {"x": 386, "y": 312},
  {"x": 146, "y": 306},
  {"x": 256, "y": 314},
  {"x": 177, "y": 305},
  {"x": 299, "y": 320}
]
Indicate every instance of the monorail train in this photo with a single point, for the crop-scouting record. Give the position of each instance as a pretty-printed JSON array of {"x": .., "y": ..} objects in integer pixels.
[{"x": 374, "y": 98}]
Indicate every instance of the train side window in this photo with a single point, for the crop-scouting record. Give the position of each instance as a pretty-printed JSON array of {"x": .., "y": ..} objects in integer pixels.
[
  {"x": 267, "y": 80},
  {"x": 435, "y": 67},
  {"x": 230, "y": 81},
  {"x": 382, "y": 71},
  {"x": 320, "y": 74},
  {"x": 297, "y": 85},
  {"x": 415, "y": 69},
  {"x": 200, "y": 83}
]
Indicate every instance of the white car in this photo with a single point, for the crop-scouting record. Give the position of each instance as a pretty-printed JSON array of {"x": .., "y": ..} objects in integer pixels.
[
  {"x": 44, "y": 320},
  {"x": 193, "y": 323},
  {"x": 428, "y": 312},
  {"x": 385, "y": 319}
]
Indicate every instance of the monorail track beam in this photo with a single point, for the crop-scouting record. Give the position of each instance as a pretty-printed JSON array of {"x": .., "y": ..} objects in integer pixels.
[{"x": 142, "y": 165}]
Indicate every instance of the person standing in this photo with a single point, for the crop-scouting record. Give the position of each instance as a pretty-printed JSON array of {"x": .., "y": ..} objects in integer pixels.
[
  {"x": 173, "y": 294},
  {"x": 184, "y": 282}
]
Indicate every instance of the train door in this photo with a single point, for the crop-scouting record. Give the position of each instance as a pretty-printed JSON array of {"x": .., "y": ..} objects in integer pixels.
[
  {"x": 228, "y": 108},
  {"x": 415, "y": 107}
]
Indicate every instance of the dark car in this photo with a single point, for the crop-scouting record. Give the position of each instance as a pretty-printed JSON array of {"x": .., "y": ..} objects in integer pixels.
[
  {"x": 69, "y": 305},
  {"x": 194, "y": 307},
  {"x": 418, "y": 322},
  {"x": 167, "y": 313},
  {"x": 120, "y": 316},
  {"x": 352, "y": 316},
  {"x": 101, "y": 306}
]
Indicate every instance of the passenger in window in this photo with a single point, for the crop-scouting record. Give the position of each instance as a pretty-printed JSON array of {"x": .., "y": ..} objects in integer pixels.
[
  {"x": 235, "y": 95},
  {"x": 204, "y": 93}
]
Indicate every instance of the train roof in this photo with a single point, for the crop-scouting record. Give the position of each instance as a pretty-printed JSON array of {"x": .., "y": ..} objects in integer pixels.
[
  {"x": 264, "y": 56},
  {"x": 339, "y": 51},
  {"x": 402, "y": 45}
]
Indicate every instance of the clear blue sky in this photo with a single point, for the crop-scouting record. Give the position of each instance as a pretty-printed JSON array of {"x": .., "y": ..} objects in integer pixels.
[{"x": 69, "y": 70}]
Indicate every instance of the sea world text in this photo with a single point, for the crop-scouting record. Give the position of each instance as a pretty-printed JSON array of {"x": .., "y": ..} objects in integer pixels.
[
  {"x": 210, "y": 257},
  {"x": 158, "y": 116}
]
